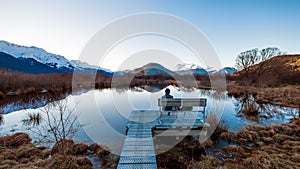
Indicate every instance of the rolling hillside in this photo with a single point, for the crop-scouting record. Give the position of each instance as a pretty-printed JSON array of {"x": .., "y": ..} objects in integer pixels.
[{"x": 279, "y": 70}]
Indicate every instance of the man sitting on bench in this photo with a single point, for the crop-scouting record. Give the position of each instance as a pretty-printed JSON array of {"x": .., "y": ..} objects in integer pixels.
[{"x": 167, "y": 96}]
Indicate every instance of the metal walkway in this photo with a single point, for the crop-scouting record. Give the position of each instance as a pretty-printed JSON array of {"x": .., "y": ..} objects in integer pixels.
[{"x": 138, "y": 149}]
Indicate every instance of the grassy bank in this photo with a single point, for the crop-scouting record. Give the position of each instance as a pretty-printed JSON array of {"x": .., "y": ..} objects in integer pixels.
[
  {"x": 288, "y": 96},
  {"x": 17, "y": 151},
  {"x": 273, "y": 146}
]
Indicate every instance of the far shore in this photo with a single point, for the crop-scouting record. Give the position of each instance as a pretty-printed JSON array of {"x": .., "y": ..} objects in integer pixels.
[{"x": 285, "y": 95}]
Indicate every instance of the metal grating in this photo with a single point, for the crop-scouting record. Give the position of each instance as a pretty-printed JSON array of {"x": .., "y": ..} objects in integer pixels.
[
  {"x": 137, "y": 166},
  {"x": 137, "y": 160}
]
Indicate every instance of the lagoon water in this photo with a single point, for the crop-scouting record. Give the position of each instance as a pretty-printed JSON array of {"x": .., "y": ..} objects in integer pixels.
[{"x": 102, "y": 114}]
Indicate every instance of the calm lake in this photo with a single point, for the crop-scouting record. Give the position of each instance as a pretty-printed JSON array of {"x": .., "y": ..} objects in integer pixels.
[{"x": 102, "y": 114}]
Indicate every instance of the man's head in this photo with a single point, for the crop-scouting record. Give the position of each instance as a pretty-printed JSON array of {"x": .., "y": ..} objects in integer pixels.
[{"x": 167, "y": 91}]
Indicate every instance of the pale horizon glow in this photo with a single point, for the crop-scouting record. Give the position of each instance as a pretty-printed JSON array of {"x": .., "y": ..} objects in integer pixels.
[
  {"x": 233, "y": 26},
  {"x": 141, "y": 50}
]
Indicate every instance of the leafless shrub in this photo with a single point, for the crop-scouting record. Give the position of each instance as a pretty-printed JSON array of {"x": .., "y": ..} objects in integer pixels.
[{"x": 55, "y": 122}]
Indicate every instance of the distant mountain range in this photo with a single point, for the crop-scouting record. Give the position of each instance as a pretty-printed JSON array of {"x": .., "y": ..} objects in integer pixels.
[
  {"x": 180, "y": 69},
  {"x": 36, "y": 60},
  {"x": 47, "y": 62}
]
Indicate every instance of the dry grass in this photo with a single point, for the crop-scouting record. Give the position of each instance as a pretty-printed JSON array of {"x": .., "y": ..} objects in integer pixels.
[
  {"x": 183, "y": 155},
  {"x": 1, "y": 118},
  {"x": 15, "y": 140},
  {"x": 66, "y": 162},
  {"x": 2, "y": 95},
  {"x": 283, "y": 96},
  {"x": 16, "y": 152},
  {"x": 32, "y": 119},
  {"x": 16, "y": 83},
  {"x": 217, "y": 126},
  {"x": 269, "y": 73},
  {"x": 274, "y": 146}
]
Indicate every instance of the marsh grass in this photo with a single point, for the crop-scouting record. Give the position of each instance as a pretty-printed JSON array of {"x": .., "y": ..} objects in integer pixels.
[
  {"x": 273, "y": 146},
  {"x": 2, "y": 95},
  {"x": 218, "y": 125},
  {"x": 183, "y": 155},
  {"x": 1, "y": 118},
  {"x": 33, "y": 119},
  {"x": 251, "y": 110}
]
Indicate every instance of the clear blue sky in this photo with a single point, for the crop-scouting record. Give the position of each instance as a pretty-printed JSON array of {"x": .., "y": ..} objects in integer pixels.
[{"x": 232, "y": 26}]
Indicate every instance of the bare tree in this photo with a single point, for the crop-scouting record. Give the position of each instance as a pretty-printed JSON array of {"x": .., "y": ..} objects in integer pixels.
[
  {"x": 266, "y": 54},
  {"x": 247, "y": 59},
  {"x": 269, "y": 52},
  {"x": 56, "y": 121}
]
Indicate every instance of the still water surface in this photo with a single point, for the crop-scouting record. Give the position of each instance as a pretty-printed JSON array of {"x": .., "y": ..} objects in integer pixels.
[{"x": 102, "y": 114}]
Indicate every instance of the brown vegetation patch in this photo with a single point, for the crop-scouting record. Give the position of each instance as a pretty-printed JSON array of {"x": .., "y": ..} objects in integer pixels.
[
  {"x": 59, "y": 161},
  {"x": 273, "y": 146},
  {"x": 63, "y": 147},
  {"x": 15, "y": 140},
  {"x": 1, "y": 118},
  {"x": 217, "y": 126},
  {"x": 2, "y": 95},
  {"x": 18, "y": 153},
  {"x": 287, "y": 96},
  {"x": 229, "y": 136},
  {"x": 270, "y": 72},
  {"x": 180, "y": 156},
  {"x": 94, "y": 147},
  {"x": 80, "y": 148}
]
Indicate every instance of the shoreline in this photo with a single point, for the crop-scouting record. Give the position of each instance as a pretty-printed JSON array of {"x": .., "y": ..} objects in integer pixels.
[
  {"x": 247, "y": 148},
  {"x": 285, "y": 96},
  {"x": 17, "y": 151}
]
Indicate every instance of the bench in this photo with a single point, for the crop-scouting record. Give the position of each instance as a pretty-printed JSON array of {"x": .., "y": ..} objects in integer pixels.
[{"x": 183, "y": 105}]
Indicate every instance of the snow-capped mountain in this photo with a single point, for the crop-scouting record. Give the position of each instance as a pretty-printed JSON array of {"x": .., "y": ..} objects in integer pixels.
[
  {"x": 27, "y": 65},
  {"x": 190, "y": 68},
  {"x": 227, "y": 70},
  {"x": 40, "y": 55},
  {"x": 187, "y": 66},
  {"x": 83, "y": 65},
  {"x": 152, "y": 69},
  {"x": 52, "y": 60},
  {"x": 41, "y": 59},
  {"x": 180, "y": 69}
]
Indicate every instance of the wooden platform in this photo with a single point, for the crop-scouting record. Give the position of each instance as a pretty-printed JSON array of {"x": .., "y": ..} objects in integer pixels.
[{"x": 138, "y": 148}]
